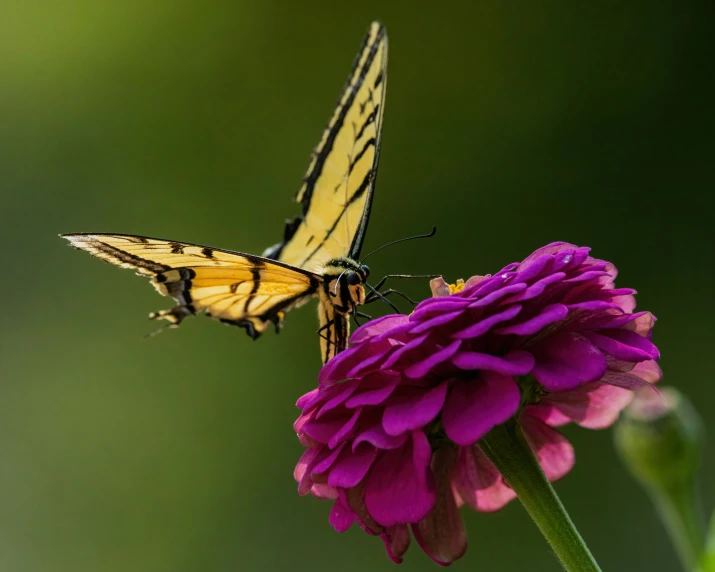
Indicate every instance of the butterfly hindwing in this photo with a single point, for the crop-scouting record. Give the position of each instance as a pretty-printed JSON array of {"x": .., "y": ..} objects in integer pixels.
[
  {"x": 337, "y": 190},
  {"x": 236, "y": 288}
]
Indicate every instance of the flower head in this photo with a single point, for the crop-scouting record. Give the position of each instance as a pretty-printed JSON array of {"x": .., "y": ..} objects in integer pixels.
[{"x": 392, "y": 430}]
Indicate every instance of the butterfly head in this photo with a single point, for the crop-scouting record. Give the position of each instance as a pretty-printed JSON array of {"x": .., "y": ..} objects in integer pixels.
[{"x": 345, "y": 284}]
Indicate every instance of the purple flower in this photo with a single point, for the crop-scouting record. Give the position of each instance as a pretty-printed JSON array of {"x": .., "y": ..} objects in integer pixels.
[{"x": 392, "y": 431}]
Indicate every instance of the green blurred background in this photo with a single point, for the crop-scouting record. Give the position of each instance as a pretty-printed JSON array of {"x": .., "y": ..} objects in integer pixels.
[{"x": 507, "y": 127}]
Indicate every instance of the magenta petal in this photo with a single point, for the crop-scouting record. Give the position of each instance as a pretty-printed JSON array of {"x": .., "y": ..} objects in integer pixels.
[
  {"x": 377, "y": 327},
  {"x": 624, "y": 344},
  {"x": 517, "y": 362},
  {"x": 552, "y": 449},
  {"x": 473, "y": 407},
  {"x": 400, "y": 487},
  {"x": 441, "y": 533},
  {"x": 388, "y": 382},
  {"x": 483, "y": 326},
  {"x": 414, "y": 411},
  {"x": 376, "y": 436},
  {"x": 550, "y": 314},
  {"x": 397, "y": 541},
  {"x": 401, "y": 351},
  {"x": 345, "y": 391},
  {"x": 567, "y": 360},
  {"x": 352, "y": 466},
  {"x": 422, "y": 368},
  {"x": 345, "y": 430},
  {"x": 341, "y": 517},
  {"x": 436, "y": 321},
  {"x": 327, "y": 461}
]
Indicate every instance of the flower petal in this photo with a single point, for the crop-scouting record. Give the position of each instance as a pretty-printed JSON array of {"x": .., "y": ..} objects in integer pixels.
[
  {"x": 624, "y": 344},
  {"x": 386, "y": 382},
  {"x": 397, "y": 541},
  {"x": 552, "y": 449},
  {"x": 483, "y": 326},
  {"x": 352, "y": 466},
  {"x": 548, "y": 315},
  {"x": 377, "y": 327},
  {"x": 423, "y": 367},
  {"x": 478, "y": 482},
  {"x": 376, "y": 436},
  {"x": 594, "y": 406},
  {"x": 400, "y": 487},
  {"x": 567, "y": 360},
  {"x": 414, "y": 411},
  {"x": 473, "y": 407},
  {"x": 441, "y": 533},
  {"x": 517, "y": 362},
  {"x": 341, "y": 516}
]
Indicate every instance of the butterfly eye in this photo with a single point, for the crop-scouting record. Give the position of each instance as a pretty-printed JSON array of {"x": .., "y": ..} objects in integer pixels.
[
  {"x": 353, "y": 279},
  {"x": 365, "y": 270}
]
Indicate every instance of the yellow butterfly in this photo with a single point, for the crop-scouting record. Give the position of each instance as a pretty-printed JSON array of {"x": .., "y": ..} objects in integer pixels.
[{"x": 319, "y": 252}]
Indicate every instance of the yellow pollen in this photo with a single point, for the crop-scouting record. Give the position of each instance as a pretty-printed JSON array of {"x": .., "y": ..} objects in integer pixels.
[{"x": 456, "y": 287}]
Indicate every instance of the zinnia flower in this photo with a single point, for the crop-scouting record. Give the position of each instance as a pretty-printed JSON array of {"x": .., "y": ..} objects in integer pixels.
[{"x": 392, "y": 430}]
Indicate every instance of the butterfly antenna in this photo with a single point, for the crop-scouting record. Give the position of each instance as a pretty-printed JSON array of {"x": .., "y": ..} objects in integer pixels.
[
  {"x": 379, "y": 295},
  {"x": 430, "y": 235},
  {"x": 159, "y": 330}
]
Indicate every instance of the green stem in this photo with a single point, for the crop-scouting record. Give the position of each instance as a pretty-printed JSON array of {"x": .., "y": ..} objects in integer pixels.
[
  {"x": 507, "y": 448},
  {"x": 680, "y": 512},
  {"x": 707, "y": 563}
]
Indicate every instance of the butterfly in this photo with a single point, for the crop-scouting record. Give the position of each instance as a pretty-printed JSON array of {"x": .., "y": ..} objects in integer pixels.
[{"x": 319, "y": 251}]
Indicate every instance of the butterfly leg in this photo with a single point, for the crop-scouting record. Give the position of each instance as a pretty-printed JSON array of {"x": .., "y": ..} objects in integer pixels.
[
  {"x": 325, "y": 326},
  {"x": 175, "y": 315},
  {"x": 372, "y": 297}
]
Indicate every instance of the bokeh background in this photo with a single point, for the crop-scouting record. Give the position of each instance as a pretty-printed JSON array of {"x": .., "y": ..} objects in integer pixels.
[{"x": 507, "y": 126}]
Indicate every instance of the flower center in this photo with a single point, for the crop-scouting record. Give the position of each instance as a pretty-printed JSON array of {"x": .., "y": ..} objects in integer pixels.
[{"x": 458, "y": 286}]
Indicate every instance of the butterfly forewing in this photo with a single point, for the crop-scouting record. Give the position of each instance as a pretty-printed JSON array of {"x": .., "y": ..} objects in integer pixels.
[
  {"x": 336, "y": 196},
  {"x": 337, "y": 190},
  {"x": 247, "y": 290}
]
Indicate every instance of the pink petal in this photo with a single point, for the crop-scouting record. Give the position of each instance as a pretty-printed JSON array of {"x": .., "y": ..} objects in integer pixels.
[
  {"x": 473, "y": 407},
  {"x": 400, "y": 487},
  {"x": 441, "y": 533},
  {"x": 422, "y": 368},
  {"x": 594, "y": 406},
  {"x": 341, "y": 517},
  {"x": 322, "y": 466},
  {"x": 567, "y": 360},
  {"x": 490, "y": 493},
  {"x": 648, "y": 371},
  {"x": 517, "y": 362},
  {"x": 414, "y": 411},
  {"x": 355, "y": 499},
  {"x": 397, "y": 541},
  {"x": 343, "y": 391},
  {"x": 552, "y": 449},
  {"x": 352, "y": 466}
]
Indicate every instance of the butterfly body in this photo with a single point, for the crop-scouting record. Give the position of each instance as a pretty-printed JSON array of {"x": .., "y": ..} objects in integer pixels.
[{"x": 319, "y": 252}]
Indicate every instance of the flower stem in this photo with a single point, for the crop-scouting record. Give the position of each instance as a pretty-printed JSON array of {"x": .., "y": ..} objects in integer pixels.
[
  {"x": 679, "y": 510},
  {"x": 507, "y": 448}
]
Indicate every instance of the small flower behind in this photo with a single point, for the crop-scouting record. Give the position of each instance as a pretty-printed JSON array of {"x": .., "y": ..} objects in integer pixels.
[{"x": 392, "y": 430}]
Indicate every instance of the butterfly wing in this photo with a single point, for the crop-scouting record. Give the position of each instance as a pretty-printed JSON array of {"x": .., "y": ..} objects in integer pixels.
[
  {"x": 236, "y": 288},
  {"x": 337, "y": 190}
]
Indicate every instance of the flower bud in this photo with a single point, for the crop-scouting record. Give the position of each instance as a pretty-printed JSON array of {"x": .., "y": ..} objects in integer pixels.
[{"x": 659, "y": 438}]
